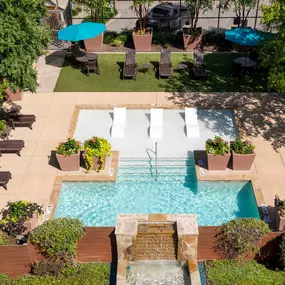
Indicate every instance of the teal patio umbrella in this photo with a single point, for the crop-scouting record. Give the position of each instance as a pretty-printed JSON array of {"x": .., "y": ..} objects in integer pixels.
[
  {"x": 246, "y": 36},
  {"x": 83, "y": 31}
]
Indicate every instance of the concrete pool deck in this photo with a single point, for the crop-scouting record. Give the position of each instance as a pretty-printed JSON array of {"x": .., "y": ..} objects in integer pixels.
[{"x": 33, "y": 177}]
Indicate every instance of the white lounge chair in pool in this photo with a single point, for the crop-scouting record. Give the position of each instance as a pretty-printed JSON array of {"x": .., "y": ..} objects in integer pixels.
[
  {"x": 191, "y": 121},
  {"x": 119, "y": 123},
  {"x": 156, "y": 124}
]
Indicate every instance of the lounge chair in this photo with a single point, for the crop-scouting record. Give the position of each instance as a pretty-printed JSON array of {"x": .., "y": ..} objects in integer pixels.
[
  {"x": 165, "y": 66},
  {"x": 191, "y": 122},
  {"x": 156, "y": 124},
  {"x": 119, "y": 122},
  {"x": 199, "y": 67},
  {"x": 130, "y": 66},
  {"x": 5, "y": 176},
  {"x": 10, "y": 146},
  {"x": 22, "y": 121}
]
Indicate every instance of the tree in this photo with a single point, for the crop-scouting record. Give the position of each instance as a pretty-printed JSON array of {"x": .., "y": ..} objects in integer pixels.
[
  {"x": 23, "y": 38},
  {"x": 273, "y": 51},
  {"x": 141, "y": 8},
  {"x": 194, "y": 7},
  {"x": 242, "y": 9}
]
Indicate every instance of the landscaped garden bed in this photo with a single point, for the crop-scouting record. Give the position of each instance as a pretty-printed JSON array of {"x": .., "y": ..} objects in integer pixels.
[{"x": 219, "y": 69}]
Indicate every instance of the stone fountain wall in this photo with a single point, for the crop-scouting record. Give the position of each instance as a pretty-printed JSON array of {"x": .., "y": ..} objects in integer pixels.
[{"x": 157, "y": 236}]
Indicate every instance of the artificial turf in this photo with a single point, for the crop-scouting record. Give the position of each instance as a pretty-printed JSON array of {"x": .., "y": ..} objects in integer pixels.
[{"x": 219, "y": 68}]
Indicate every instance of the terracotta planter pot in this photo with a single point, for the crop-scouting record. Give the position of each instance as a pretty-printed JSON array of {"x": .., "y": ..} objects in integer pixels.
[
  {"x": 192, "y": 41},
  {"x": 31, "y": 224},
  {"x": 282, "y": 223},
  {"x": 142, "y": 42},
  {"x": 69, "y": 163},
  {"x": 242, "y": 161},
  {"x": 17, "y": 96},
  {"x": 218, "y": 162},
  {"x": 96, "y": 162},
  {"x": 94, "y": 44}
]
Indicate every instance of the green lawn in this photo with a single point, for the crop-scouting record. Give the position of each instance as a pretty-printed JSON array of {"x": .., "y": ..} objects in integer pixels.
[
  {"x": 218, "y": 66},
  {"x": 230, "y": 272}
]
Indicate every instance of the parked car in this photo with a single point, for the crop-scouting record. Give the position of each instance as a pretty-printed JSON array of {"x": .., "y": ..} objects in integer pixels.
[{"x": 166, "y": 16}]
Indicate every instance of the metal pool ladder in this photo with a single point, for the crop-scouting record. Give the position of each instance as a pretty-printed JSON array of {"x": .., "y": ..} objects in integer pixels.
[{"x": 156, "y": 171}]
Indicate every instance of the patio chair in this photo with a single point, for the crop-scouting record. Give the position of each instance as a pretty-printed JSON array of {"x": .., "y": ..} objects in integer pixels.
[
  {"x": 92, "y": 65},
  {"x": 156, "y": 124},
  {"x": 119, "y": 123},
  {"x": 11, "y": 146},
  {"x": 199, "y": 67},
  {"x": 130, "y": 65},
  {"x": 21, "y": 121},
  {"x": 165, "y": 65},
  {"x": 5, "y": 176},
  {"x": 191, "y": 122}
]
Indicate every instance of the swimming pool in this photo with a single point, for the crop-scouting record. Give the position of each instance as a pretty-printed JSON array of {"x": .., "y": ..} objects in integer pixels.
[{"x": 175, "y": 190}]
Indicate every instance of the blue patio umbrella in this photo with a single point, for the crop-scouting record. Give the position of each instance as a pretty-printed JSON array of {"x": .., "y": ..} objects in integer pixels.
[
  {"x": 246, "y": 36},
  {"x": 83, "y": 31}
]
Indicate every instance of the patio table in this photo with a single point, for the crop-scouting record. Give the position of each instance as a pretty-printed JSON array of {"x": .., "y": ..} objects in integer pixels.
[
  {"x": 89, "y": 61},
  {"x": 245, "y": 62}
]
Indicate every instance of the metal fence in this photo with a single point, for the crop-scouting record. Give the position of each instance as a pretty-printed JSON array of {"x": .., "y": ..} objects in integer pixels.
[{"x": 125, "y": 19}]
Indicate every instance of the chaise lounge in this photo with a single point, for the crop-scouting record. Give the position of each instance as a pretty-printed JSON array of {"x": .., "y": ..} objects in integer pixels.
[
  {"x": 22, "y": 121},
  {"x": 165, "y": 66},
  {"x": 11, "y": 146},
  {"x": 5, "y": 176},
  {"x": 199, "y": 68},
  {"x": 130, "y": 66}
]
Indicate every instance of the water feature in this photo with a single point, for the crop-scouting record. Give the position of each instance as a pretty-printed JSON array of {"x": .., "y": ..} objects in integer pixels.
[{"x": 157, "y": 272}]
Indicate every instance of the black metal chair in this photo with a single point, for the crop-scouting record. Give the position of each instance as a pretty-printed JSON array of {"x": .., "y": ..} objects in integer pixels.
[
  {"x": 130, "y": 65},
  {"x": 199, "y": 67},
  {"x": 92, "y": 65},
  {"x": 165, "y": 65}
]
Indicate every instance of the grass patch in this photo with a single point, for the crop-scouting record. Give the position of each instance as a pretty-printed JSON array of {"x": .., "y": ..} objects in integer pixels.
[
  {"x": 230, "y": 272},
  {"x": 83, "y": 274},
  {"x": 219, "y": 68}
]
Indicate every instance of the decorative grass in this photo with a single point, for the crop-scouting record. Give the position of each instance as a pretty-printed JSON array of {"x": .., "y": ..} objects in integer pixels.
[{"x": 219, "y": 67}]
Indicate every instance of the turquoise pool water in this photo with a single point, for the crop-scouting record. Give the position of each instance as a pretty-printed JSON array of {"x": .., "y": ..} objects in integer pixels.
[{"x": 174, "y": 190}]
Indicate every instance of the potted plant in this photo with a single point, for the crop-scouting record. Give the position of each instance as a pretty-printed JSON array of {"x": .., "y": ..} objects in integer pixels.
[
  {"x": 192, "y": 35},
  {"x": 95, "y": 151},
  {"x": 142, "y": 36},
  {"x": 3, "y": 126},
  {"x": 242, "y": 154},
  {"x": 217, "y": 153},
  {"x": 280, "y": 207},
  {"x": 20, "y": 217},
  {"x": 68, "y": 155}
]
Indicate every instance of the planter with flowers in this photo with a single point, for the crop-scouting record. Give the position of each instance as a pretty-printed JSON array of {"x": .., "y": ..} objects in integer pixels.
[
  {"x": 217, "y": 153},
  {"x": 280, "y": 207},
  {"x": 68, "y": 155},
  {"x": 96, "y": 150},
  {"x": 242, "y": 154}
]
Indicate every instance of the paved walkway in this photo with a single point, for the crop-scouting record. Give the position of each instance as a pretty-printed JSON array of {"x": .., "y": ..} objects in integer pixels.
[{"x": 33, "y": 176}]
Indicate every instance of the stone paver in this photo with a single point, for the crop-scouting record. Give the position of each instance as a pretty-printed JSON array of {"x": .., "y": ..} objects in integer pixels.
[{"x": 33, "y": 176}]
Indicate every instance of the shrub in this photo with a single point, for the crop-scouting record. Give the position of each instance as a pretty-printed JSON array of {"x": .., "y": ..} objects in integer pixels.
[
  {"x": 57, "y": 236},
  {"x": 5, "y": 239},
  {"x": 3, "y": 126},
  {"x": 53, "y": 266},
  {"x": 280, "y": 206},
  {"x": 282, "y": 248},
  {"x": 242, "y": 147},
  {"x": 120, "y": 40},
  {"x": 76, "y": 10},
  {"x": 98, "y": 147},
  {"x": 68, "y": 148},
  {"x": 240, "y": 237},
  {"x": 16, "y": 214},
  {"x": 231, "y": 272},
  {"x": 217, "y": 146},
  {"x": 109, "y": 37},
  {"x": 217, "y": 38}
]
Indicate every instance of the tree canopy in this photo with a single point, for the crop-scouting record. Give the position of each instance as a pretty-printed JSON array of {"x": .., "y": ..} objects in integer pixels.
[
  {"x": 23, "y": 38},
  {"x": 273, "y": 52}
]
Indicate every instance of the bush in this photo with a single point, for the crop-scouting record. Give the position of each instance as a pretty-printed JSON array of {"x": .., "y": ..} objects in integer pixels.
[
  {"x": 82, "y": 274},
  {"x": 76, "y": 10},
  {"x": 57, "y": 236},
  {"x": 217, "y": 146},
  {"x": 5, "y": 239},
  {"x": 16, "y": 214},
  {"x": 109, "y": 37},
  {"x": 241, "y": 147},
  {"x": 240, "y": 237},
  {"x": 120, "y": 40},
  {"x": 282, "y": 248},
  {"x": 230, "y": 272},
  {"x": 53, "y": 266},
  {"x": 216, "y": 38},
  {"x": 68, "y": 148}
]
